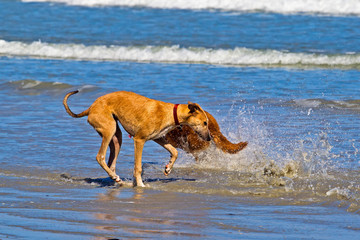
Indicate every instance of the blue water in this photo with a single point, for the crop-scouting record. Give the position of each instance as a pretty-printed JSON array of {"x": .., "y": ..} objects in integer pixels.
[
  {"x": 304, "y": 113},
  {"x": 140, "y": 26}
]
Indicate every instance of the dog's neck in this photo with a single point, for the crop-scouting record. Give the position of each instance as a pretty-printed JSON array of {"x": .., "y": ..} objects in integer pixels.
[{"x": 175, "y": 114}]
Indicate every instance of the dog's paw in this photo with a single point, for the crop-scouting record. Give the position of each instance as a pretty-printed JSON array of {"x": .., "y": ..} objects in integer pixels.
[
  {"x": 167, "y": 170},
  {"x": 137, "y": 183},
  {"x": 142, "y": 185},
  {"x": 117, "y": 179}
]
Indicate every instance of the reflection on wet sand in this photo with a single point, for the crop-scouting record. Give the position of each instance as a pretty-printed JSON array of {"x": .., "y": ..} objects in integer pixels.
[{"x": 145, "y": 214}]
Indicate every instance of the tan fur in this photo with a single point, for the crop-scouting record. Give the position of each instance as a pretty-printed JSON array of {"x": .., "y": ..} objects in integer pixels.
[
  {"x": 188, "y": 140},
  {"x": 143, "y": 118}
]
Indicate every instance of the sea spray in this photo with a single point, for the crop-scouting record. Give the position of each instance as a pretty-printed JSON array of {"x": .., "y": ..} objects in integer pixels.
[{"x": 306, "y": 164}]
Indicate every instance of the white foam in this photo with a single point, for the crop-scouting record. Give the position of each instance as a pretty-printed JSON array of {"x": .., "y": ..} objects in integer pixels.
[
  {"x": 308, "y": 103},
  {"x": 176, "y": 54},
  {"x": 328, "y": 7},
  {"x": 340, "y": 192},
  {"x": 337, "y": 104},
  {"x": 30, "y": 84}
]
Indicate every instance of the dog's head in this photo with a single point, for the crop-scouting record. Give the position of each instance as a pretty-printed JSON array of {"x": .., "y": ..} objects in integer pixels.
[{"x": 197, "y": 120}]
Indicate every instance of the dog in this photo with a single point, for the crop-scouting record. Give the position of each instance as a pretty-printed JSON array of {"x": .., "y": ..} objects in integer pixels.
[
  {"x": 144, "y": 119},
  {"x": 186, "y": 139}
]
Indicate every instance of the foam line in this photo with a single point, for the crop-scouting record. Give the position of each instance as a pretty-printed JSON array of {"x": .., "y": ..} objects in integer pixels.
[
  {"x": 176, "y": 54},
  {"x": 327, "y": 7}
]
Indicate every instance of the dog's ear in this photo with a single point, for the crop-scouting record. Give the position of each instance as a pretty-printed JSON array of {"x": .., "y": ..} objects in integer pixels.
[{"x": 193, "y": 107}]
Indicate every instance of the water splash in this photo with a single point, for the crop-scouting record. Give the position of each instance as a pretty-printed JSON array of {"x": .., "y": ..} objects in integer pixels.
[{"x": 306, "y": 168}]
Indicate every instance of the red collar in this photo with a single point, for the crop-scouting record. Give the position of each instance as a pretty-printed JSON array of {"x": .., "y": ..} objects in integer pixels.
[{"x": 176, "y": 119}]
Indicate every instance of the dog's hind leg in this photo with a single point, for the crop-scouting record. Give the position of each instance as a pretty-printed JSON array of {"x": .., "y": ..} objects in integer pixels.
[
  {"x": 106, "y": 127},
  {"x": 173, "y": 154},
  {"x": 115, "y": 146}
]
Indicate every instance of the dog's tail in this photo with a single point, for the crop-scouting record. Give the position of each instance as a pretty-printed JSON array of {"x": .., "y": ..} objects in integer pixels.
[
  {"x": 74, "y": 115},
  {"x": 227, "y": 146}
]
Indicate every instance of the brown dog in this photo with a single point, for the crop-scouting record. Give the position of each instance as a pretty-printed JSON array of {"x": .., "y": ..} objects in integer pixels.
[
  {"x": 144, "y": 119},
  {"x": 186, "y": 139}
]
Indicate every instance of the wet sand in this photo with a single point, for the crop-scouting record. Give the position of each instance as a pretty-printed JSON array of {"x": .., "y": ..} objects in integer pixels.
[{"x": 58, "y": 206}]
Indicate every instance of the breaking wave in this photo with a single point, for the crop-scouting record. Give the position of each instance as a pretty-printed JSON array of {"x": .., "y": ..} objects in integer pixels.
[
  {"x": 36, "y": 87},
  {"x": 325, "y": 7},
  {"x": 335, "y": 104},
  {"x": 176, "y": 54},
  {"x": 35, "y": 84}
]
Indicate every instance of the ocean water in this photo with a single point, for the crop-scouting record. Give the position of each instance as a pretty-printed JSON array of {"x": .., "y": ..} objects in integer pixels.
[{"x": 282, "y": 75}]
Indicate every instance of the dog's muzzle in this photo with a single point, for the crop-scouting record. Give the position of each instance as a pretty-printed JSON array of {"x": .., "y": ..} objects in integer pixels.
[{"x": 208, "y": 138}]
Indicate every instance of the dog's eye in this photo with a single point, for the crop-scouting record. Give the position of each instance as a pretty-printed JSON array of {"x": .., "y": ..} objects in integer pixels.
[{"x": 205, "y": 123}]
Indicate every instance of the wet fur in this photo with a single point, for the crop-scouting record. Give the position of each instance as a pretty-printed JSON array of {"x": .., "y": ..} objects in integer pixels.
[{"x": 187, "y": 140}]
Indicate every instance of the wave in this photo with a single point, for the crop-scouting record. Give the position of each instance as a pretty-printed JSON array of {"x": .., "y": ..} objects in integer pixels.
[
  {"x": 327, "y": 7},
  {"x": 176, "y": 54},
  {"x": 36, "y": 87},
  {"x": 36, "y": 84},
  {"x": 335, "y": 104}
]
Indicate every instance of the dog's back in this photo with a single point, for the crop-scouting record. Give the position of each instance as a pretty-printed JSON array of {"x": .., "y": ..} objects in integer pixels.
[{"x": 135, "y": 112}]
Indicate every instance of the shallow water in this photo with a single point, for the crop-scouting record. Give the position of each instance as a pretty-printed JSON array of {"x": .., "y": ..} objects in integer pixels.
[{"x": 293, "y": 97}]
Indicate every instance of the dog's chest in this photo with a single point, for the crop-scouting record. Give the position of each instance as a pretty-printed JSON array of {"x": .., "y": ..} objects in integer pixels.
[{"x": 161, "y": 133}]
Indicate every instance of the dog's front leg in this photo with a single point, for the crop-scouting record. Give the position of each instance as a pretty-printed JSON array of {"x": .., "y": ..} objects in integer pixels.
[
  {"x": 173, "y": 154},
  {"x": 139, "y": 145}
]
